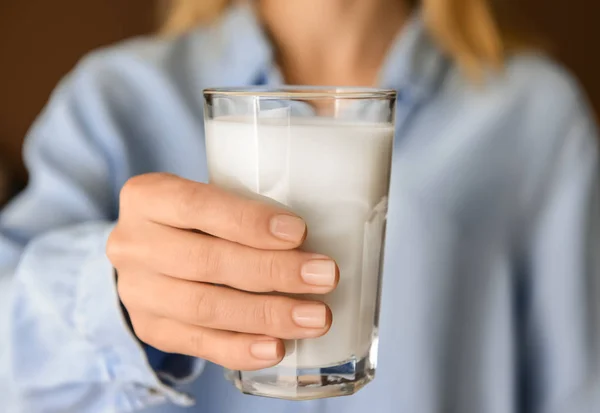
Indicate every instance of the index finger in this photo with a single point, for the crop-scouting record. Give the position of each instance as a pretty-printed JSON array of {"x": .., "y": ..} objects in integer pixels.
[{"x": 173, "y": 201}]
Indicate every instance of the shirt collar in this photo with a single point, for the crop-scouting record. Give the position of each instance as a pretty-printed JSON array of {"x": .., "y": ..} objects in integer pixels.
[{"x": 414, "y": 64}]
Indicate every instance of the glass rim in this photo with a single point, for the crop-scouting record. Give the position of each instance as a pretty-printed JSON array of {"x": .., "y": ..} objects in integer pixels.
[{"x": 302, "y": 92}]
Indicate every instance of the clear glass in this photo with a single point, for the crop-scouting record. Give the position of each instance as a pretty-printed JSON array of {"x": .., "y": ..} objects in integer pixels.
[{"x": 324, "y": 153}]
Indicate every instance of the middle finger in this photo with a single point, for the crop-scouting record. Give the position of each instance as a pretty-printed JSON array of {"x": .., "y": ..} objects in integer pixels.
[{"x": 198, "y": 257}]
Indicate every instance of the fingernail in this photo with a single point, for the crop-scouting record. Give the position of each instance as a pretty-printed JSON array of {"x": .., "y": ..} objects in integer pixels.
[
  {"x": 265, "y": 350},
  {"x": 288, "y": 228},
  {"x": 310, "y": 315},
  {"x": 319, "y": 273}
]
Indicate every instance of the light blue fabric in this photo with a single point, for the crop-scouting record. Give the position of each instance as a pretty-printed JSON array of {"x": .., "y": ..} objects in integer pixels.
[{"x": 491, "y": 293}]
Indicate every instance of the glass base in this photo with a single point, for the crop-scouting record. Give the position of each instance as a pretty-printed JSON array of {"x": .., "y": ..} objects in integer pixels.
[{"x": 291, "y": 383}]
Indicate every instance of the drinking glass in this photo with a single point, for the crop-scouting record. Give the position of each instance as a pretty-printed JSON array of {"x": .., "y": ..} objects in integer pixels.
[{"x": 325, "y": 154}]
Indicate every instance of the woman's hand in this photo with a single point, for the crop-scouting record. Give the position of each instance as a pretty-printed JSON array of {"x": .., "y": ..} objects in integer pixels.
[{"x": 191, "y": 259}]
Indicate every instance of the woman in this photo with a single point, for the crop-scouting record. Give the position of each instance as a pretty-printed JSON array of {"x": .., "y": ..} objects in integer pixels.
[{"x": 490, "y": 300}]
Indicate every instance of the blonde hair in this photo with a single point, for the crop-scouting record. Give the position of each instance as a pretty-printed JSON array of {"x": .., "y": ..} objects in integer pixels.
[{"x": 474, "y": 33}]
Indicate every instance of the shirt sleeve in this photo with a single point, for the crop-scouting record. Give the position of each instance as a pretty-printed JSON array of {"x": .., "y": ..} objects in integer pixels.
[
  {"x": 561, "y": 340},
  {"x": 69, "y": 347}
]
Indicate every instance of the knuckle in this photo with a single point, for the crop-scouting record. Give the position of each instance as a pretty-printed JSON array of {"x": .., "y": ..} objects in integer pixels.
[
  {"x": 198, "y": 344},
  {"x": 116, "y": 247},
  {"x": 135, "y": 188},
  {"x": 268, "y": 313},
  {"x": 142, "y": 330},
  {"x": 205, "y": 259},
  {"x": 191, "y": 199},
  {"x": 245, "y": 216},
  {"x": 125, "y": 290},
  {"x": 269, "y": 270},
  {"x": 130, "y": 191},
  {"x": 151, "y": 333},
  {"x": 202, "y": 307}
]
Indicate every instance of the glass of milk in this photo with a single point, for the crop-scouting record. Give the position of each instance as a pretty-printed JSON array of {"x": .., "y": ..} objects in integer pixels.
[{"x": 325, "y": 154}]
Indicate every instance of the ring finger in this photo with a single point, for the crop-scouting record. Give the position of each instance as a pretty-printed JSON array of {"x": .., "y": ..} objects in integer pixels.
[{"x": 224, "y": 308}]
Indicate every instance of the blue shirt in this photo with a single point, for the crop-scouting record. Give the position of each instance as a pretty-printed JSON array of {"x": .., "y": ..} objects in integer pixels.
[{"x": 491, "y": 294}]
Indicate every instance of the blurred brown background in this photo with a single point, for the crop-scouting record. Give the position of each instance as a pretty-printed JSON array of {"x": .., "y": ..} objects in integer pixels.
[{"x": 40, "y": 40}]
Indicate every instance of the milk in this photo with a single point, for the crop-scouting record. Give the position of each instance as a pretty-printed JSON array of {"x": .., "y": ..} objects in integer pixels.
[{"x": 335, "y": 175}]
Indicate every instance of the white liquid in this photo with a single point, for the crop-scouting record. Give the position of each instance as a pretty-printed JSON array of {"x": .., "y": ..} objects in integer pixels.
[{"x": 335, "y": 175}]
